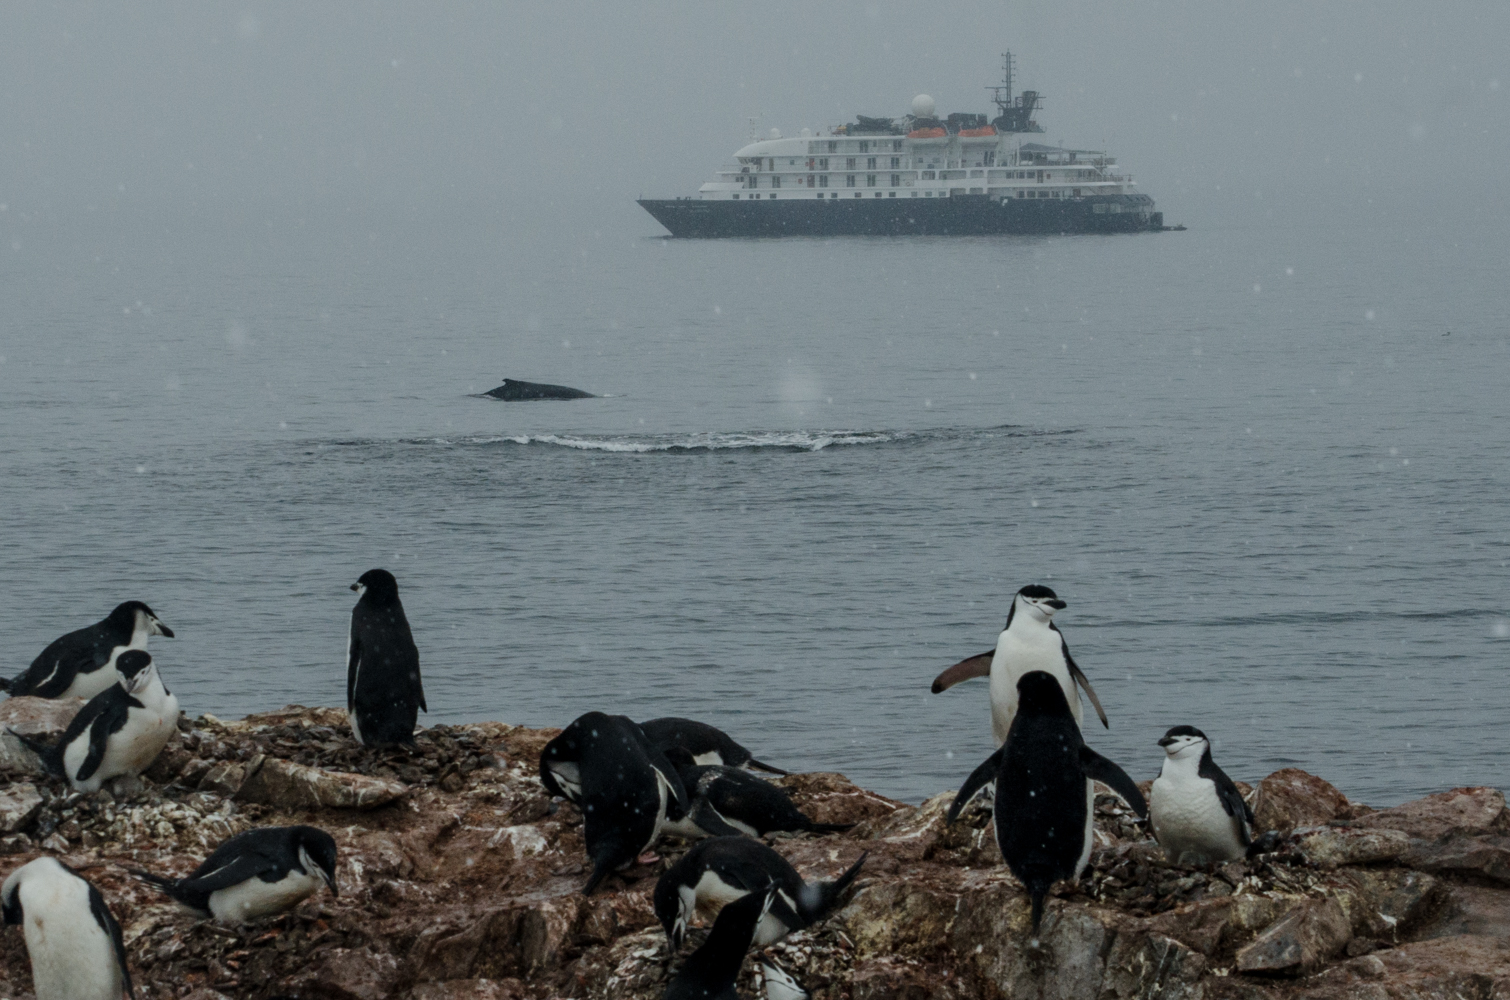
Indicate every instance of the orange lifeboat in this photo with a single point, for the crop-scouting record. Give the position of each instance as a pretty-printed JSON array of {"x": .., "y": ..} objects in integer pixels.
[
  {"x": 930, "y": 133},
  {"x": 975, "y": 133}
]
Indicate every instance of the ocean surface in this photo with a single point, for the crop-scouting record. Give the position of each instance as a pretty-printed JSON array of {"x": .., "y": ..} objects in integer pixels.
[{"x": 1266, "y": 466}]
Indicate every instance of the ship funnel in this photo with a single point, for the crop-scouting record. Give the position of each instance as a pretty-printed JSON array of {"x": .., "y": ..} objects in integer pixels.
[{"x": 922, "y": 106}]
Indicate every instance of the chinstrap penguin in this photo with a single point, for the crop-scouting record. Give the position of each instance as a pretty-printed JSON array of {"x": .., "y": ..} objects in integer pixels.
[
  {"x": 711, "y": 971},
  {"x": 706, "y": 744},
  {"x": 730, "y": 800},
  {"x": 720, "y": 870},
  {"x": 383, "y": 690},
  {"x": 1045, "y": 779},
  {"x": 1197, "y": 814},
  {"x": 624, "y": 786},
  {"x": 119, "y": 732},
  {"x": 256, "y": 873},
  {"x": 81, "y": 664},
  {"x": 1029, "y": 641},
  {"x": 73, "y": 940}
]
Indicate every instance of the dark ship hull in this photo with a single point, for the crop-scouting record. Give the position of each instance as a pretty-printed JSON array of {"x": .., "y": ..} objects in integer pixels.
[{"x": 960, "y": 215}]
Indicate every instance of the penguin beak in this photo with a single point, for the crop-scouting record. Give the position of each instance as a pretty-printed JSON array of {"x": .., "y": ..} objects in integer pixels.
[
  {"x": 330, "y": 880},
  {"x": 1166, "y": 741},
  {"x": 160, "y": 629},
  {"x": 1056, "y": 604},
  {"x": 357, "y": 587}
]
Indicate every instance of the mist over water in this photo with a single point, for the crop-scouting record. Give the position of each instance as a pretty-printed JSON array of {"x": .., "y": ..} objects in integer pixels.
[{"x": 1265, "y": 465}]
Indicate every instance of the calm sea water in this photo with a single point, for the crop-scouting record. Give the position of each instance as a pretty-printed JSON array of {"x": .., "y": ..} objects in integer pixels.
[{"x": 1267, "y": 468}]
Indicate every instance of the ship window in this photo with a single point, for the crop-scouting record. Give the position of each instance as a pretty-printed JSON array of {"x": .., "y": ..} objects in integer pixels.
[
  {"x": 896, "y": 145},
  {"x": 896, "y": 162},
  {"x": 823, "y": 180},
  {"x": 871, "y": 163},
  {"x": 771, "y": 163},
  {"x": 754, "y": 181},
  {"x": 850, "y": 163},
  {"x": 859, "y": 195},
  {"x": 870, "y": 180},
  {"x": 891, "y": 194},
  {"x": 914, "y": 194},
  {"x": 833, "y": 146},
  {"x": 878, "y": 194},
  {"x": 809, "y": 180},
  {"x": 864, "y": 147},
  {"x": 772, "y": 196},
  {"x": 849, "y": 181},
  {"x": 822, "y": 163},
  {"x": 927, "y": 194},
  {"x": 896, "y": 179},
  {"x": 776, "y": 181},
  {"x": 1076, "y": 192},
  {"x": 736, "y": 197}
]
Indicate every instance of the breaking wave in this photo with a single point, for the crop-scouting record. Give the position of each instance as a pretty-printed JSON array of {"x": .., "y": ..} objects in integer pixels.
[{"x": 711, "y": 441}]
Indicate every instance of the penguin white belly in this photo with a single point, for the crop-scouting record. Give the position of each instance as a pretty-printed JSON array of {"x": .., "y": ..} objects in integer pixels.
[
  {"x": 146, "y": 732},
  {"x": 1189, "y": 821},
  {"x": 72, "y": 958},
  {"x": 88, "y": 685},
  {"x": 351, "y": 708},
  {"x": 1018, "y": 653},
  {"x": 255, "y": 898}
]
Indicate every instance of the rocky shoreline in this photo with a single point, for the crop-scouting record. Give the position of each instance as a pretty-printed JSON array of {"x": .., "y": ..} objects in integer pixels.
[{"x": 459, "y": 878}]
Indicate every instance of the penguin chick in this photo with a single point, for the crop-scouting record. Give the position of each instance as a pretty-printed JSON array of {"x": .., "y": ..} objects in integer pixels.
[
  {"x": 81, "y": 664},
  {"x": 720, "y": 870},
  {"x": 625, "y": 787},
  {"x": 729, "y": 801},
  {"x": 383, "y": 690},
  {"x": 706, "y": 744},
  {"x": 119, "y": 732},
  {"x": 73, "y": 940},
  {"x": 1197, "y": 814},
  {"x": 1029, "y": 641},
  {"x": 256, "y": 873},
  {"x": 710, "y": 972},
  {"x": 1045, "y": 785}
]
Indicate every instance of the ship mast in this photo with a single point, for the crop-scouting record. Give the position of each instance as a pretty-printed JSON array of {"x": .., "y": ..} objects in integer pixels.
[{"x": 1016, "y": 114}]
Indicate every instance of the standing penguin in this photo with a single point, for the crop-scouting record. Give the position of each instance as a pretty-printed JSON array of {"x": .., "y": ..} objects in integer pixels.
[
  {"x": 119, "y": 732},
  {"x": 625, "y": 787},
  {"x": 81, "y": 664},
  {"x": 1029, "y": 641},
  {"x": 1197, "y": 814},
  {"x": 383, "y": 689},
  {"x": 1045, "y": 788},
  {"x": 255, "y": 873},
  {"x": 73, "y": 940}
]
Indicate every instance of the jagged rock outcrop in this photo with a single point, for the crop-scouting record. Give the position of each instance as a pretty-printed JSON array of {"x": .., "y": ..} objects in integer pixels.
[{"x": 460, "y": 877}]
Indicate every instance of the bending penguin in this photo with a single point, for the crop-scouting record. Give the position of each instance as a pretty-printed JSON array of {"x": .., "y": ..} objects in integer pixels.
[
  {"x": 119, "y": 732},
  {"x": 1029, "y": 641},
  {"x": 383, "y": 690},
  {"x": 706, "y": 744},
  {"x": 1045, "y": 779},
  {"x": 81, "y": 664},
  {"x": 73, "y": 940},
  {"x": 727, "y": 801},
  {"x": 722, "y": 869},
  {"x": 256, "y": 873},
  {"x": 1197, "y": 814},
  {"x": 625, "y": 787}
]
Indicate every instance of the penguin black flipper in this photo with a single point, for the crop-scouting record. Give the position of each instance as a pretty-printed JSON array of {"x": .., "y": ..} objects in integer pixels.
[
  {"x": 979, "y": 778},
  {"x": 1081, "y": 679},
  {"x": 194, "y": 891},
  {"x": 1232, "y": 800},
  {"x": 112, "y": 929},
  {"x": 1098, "y": 767},
  {"x": 974, "y": 666},
  {"x": 114, "y": 707},
  {"x": 707, "y": 818}
]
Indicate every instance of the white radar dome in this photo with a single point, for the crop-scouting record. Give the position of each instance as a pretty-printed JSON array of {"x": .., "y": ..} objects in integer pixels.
[
  {"x": 775, "y": 133},
  {"x": 922, "y": 106}
]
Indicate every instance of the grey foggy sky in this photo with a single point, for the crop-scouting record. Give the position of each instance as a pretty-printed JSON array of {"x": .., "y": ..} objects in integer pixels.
[{"x": 244, "y": 109}]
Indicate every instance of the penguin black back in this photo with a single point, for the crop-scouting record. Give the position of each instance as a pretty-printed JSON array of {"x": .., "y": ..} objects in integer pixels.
[
  {"x": 383, "y": 690},
  {"x": 82, "y": 653},
  {"x": 1043, "y": 774},
  {"x": 624, "y": 786},
  {"x": 706, "y": 744}
]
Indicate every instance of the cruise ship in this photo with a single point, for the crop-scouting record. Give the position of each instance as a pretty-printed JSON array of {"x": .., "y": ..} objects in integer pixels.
[{"x": 916, "y": 175}]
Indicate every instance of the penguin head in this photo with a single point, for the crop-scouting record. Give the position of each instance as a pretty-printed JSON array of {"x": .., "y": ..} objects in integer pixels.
[
  {"x": 1184, "y": 741},
  {"x": 134, "y": 613},
  {"x": 680, "y": 758},
  {"x": 378, "y": 582},
  {"x": 136, "y": 670},
  {"x": 1038, "y": 693},
  {"x": 317, "y": 853},
  {"x": 1038, "y": 602}
]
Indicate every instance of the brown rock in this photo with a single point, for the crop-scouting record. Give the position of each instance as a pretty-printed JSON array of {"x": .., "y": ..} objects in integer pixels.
[
  {"x": 1462, "y": 810},
  {"x": 346, "y": 974},
  {"x": 898, "y": 919},
  {"x": 828, "y": 797},
  {"x": 294, "y": 786},
  {"x": 170, "y": 761},
  {"x": 1299, "y": 943},
  {"x": 36, "y": 717},
  {"x": 19, "y": 802},
  {"x": 223, "y": 778},
  {"x": 992, "y": 934},
  {"x": 1484, "y": 857},
  {"x": 1146, "y": 966},
  {"x": 295, "y": 715},
  {"x": 471, "y": 989},
  {"x": 1331, "y": 847},
  {"x": 1291, "y": 798},
  {"x": 1450, "y": 968}
]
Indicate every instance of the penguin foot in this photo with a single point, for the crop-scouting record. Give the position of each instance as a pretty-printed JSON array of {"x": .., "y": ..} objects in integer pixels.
[{"x": 648, "y": 858}]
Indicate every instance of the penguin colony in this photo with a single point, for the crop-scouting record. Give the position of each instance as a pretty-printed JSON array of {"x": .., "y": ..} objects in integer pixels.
[{"x": 633, "y": 784}]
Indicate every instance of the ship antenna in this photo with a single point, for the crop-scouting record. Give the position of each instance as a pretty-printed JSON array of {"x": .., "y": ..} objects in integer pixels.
[{"x": 1002, "y": 95}]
